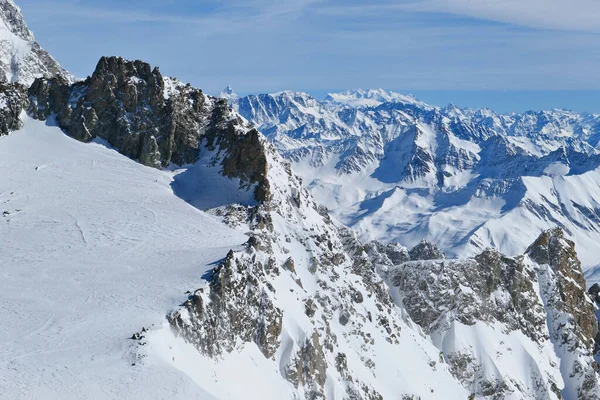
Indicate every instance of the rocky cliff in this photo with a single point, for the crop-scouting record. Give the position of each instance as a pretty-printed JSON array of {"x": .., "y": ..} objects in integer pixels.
[
  {"x": 540, "y": 295},
  {"x": 13, "y": 101},
  {"x": 155, "y": 120}
]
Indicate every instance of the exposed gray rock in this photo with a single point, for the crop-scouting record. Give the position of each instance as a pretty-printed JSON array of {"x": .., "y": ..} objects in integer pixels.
[
  {"x": 236, "y": 307},
  {"x": 541, "y": 294},
  {"x": 309, "y": 368},
  {"x": 388, "y": 254},
  {"x": 155, "y": 120},
  {"x": 553, "y": 249},
  {"x": 426, "y": 251},
  {"x": 572, "y": 321},
  {"x": 594, "y": 292},
  {"x": 431, "y": 289},
  {"x": 13, "y": 100}
]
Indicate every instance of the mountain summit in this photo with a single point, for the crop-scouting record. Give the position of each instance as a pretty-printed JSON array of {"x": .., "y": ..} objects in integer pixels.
[
  {"x": 370, "y": 97},
  {"x": 21, "y": 57},
  {"x": 228, "y": 94}
]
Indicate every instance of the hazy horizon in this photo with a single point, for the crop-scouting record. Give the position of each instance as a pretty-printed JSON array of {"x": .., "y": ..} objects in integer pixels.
[{"x": 510, "y": 56}]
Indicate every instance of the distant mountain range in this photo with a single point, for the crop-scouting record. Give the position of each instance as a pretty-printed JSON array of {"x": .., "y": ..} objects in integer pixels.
[{"x": 396, "y": 169}]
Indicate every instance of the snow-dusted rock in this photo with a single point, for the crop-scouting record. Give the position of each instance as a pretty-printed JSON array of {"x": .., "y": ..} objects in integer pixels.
[
  {"x": 21, "y": 57},
  {"x": 156, "y": 120},
  {"x": 13, "y": 100},
  {"x": 535, "y": 304}
]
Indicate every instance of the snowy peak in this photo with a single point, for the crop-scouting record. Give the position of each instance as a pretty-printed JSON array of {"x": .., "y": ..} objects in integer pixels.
[
  {"x": 368, "y": 98},
  {"x": 228, "y": 94},
  {"x": 12, "y": 20},
  {"x": 21, "y": 57}
]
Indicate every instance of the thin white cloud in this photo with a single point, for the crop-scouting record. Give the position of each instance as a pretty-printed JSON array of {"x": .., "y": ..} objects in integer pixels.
[
  {"x": 269, "y": 45},
  {"x": 230, "y": 17},
  {"x": 563, "y": 15},
  {"x": 569, "y": 15}
]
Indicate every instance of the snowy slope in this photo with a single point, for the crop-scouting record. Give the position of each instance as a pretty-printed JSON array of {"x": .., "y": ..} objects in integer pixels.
[
  {"x": 396, "y": 169},
  {"x": 94, "y": 246}
]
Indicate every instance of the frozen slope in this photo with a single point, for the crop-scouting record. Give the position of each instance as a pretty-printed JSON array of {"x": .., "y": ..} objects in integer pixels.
[{"x": 94, "y": 247}]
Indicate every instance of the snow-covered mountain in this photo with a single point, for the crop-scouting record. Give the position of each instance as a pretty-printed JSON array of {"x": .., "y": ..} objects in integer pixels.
[
  {"x": 306, "y": 306},
  {"x": 157, "y": 245},
  {"x": 300, "y": 309},
  {"x": 396, "y": 169},
  {"x": 371, "y": 97},
  {"x": 21, "y": 57}
]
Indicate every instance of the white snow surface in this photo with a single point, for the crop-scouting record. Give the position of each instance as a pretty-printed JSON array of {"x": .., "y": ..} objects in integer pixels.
[{"x": 94, "y": 247}]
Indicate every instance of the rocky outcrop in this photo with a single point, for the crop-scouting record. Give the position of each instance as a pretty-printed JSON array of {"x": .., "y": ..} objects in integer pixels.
[
  {"x": 473, "y": 290},
  {"x": 426, "y": 251},
  {"x": 236, "y": 306},
  {"x": 594, "y": 292},
  {"x": 388, "y": 254},
  {"x": 541, "y": 295},
  {"x": 155, "y": 120},
  {"x": 309, "y": 368},
  {"x": 571, "y": 312},
  {"x": 13, "y": 100},
  {"x": 554, "y": 250}
]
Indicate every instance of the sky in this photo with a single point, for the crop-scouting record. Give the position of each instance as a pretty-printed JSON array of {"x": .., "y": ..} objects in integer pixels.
[{"x": 510, "y": 55}]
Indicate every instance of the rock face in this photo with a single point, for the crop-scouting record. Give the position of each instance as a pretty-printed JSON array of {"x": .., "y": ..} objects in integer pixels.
[
  {"x": 155, "y": 120},
  {"x": 426, "y": 251},
  {"x": 238, "y": 306},
  {"x": 594, "y": 292},
  {"x": 13, "y": 100},
  {"x": 471, "y": 289},
  {"x": 571, "y": 313},
  {"x": 541, "y": 295},
  {"x": 554, "y": 250},
  {"x": 21, "y": 57}
]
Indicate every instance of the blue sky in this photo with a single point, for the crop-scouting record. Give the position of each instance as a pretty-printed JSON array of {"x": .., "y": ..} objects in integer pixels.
[{"x": 510, "y": 55}]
